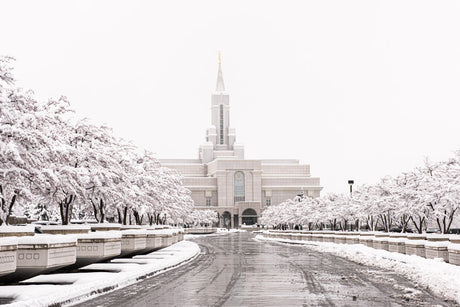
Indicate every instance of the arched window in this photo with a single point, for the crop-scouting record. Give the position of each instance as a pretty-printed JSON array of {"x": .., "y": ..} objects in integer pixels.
[{"x": 238, "y": 192}]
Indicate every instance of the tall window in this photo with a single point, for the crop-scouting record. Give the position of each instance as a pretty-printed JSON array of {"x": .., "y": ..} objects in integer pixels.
[
  {"x": 208, "y": 201},
  {"x": 239, "y": 187},
  {"x": 221, "y": 134}
]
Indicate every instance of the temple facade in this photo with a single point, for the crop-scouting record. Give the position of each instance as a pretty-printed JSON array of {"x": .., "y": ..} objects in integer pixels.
[{"x": 239, "y": 189}]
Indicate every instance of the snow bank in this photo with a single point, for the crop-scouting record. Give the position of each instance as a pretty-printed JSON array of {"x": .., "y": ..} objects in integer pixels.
[
  {"x": 440, "y": 277},
  {"x": 77, "y": 287}
]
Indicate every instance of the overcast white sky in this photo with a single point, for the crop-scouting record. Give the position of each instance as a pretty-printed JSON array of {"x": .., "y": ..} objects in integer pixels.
[{"x": 356, "y": 89}]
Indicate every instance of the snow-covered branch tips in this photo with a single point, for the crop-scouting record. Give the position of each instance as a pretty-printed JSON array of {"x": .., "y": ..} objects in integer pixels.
[
  {"x": 426, "y": 197},
  {"x": 55, "y": 165}
]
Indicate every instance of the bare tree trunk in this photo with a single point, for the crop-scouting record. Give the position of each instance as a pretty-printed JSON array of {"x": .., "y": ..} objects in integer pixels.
[
  {"x": 451, "y": 218},
  {"x": 95, "y": 211},
  {"x": 150, "y": 218},
  {"x": 418, "y": 225},
  {"x": 10, "y": 207},
  {"x": 65, "y": 208},
  {"x": 138, "y": 218},
  {"x": 125, "y": 215},
  {"x": 120, "y": 218},
  {"x": 101, "y": 210}
]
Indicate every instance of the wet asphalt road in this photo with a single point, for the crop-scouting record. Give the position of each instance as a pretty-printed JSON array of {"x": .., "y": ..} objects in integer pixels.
[{"x": 235, "y": 270}]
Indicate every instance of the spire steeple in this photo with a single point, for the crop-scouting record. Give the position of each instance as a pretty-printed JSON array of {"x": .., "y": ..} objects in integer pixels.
[{"x": 220, "y": 87}]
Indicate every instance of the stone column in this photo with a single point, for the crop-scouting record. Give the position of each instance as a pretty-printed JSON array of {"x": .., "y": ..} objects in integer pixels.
[
  {"x": 221, "y": 188},
  {"x": 257, "y": 185}
]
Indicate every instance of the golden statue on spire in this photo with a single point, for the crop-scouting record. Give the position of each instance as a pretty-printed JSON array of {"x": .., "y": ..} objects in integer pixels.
[{"x": 220, "y": 61}]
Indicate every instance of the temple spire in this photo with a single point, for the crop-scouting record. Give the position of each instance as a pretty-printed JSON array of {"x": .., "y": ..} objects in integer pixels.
[{"x": 220, "y": 87}]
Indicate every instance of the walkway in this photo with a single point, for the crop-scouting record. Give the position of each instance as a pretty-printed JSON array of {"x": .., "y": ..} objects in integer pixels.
[{"x": 235, "y": 270}]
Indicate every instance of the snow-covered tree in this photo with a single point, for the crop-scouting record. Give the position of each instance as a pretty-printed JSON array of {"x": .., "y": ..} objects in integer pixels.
[
  {"x": 202, "y": 217},
  {"x": 53, "y": 159}
]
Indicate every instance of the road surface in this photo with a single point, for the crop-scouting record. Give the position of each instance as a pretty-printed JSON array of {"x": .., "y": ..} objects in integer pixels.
[{"x": 236, "y": 270}]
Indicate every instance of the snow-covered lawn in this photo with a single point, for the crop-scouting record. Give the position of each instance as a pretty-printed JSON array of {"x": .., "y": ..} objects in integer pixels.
[
  {"x": 69, "y": 288},
  {"x": 440, "y": 277}
]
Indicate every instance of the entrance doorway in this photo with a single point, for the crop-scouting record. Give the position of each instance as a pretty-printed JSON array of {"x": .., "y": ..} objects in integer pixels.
[
  {"x": 226, "y": 219},
  {"x": 249, "y": 217}
]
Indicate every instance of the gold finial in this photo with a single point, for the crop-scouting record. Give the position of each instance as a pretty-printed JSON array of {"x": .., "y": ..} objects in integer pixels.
[{"x": 220, "y": 61}]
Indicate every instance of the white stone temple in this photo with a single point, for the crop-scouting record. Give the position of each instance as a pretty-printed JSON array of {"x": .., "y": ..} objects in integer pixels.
[{"x": 221, "y": 178}]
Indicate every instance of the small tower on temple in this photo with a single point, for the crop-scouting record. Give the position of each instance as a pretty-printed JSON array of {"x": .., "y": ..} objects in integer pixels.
[{"x": 220, "y": 137}]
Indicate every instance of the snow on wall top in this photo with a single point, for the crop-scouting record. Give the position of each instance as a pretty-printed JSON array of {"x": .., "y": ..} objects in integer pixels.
[
  {"x": 47, "y": 239},
  {"x": 10, "y": 229}
]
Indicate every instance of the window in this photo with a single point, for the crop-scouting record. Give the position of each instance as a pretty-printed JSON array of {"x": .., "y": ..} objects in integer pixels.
[
  {"x": 238, "y": 192},
  {"x": 208, "y": 201},
  {"x": 221, "y": 130},
  {"x": 268, "y": 201}
]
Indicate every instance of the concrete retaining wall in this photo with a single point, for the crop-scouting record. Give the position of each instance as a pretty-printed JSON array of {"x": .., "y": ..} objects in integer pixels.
[{"x": 446, "y": 247}]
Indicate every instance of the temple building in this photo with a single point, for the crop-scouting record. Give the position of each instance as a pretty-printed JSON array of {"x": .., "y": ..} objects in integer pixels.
[{"x": 239, "y": 189}]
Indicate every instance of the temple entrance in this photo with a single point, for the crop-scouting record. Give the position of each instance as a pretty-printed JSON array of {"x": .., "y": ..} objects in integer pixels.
[
  {"x": 235, "y": 221},
  {"x": 226, "y": 219},
  {"x": 249, "y": 217}
]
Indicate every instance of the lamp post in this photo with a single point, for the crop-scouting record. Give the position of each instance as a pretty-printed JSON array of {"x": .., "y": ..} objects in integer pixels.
[{"x": 350, "y": 183}]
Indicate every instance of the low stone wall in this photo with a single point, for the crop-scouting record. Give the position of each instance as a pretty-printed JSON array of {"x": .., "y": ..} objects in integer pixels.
[
  {"x": 41, "y": 254},
  {"x": 201, "y": 230},
  {"x": 97, "y": 247},
  {"x": 133, "y": 241},
  {"x": 105, "y": 226},
  {"x": 454, "y": 249},
  {"x": 8, "y": 255},
  {"x": 24, "y": 254},
  {"x": 437, "y": 247},
  {"x": 17, "y": 231},
  {"x": 64, "y": 229},
  {"x": 446, "y": 247},
  {"x": 153, "y": 241},
  {"x": 415, "y": 245}
]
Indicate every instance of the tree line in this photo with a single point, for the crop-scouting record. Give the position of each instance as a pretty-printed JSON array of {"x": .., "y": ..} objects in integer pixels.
[
  {"x": 428, "y": 195},
  {"x": 55, "y": 164}
]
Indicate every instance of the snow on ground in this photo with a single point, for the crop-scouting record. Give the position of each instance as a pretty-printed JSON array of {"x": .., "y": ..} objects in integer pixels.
[
  {"x": 67, "y": 288},
  {"x": 219, "y": 232},
  {"x": 441, "y": 278},
  {"x": 231, "y": 230}
]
